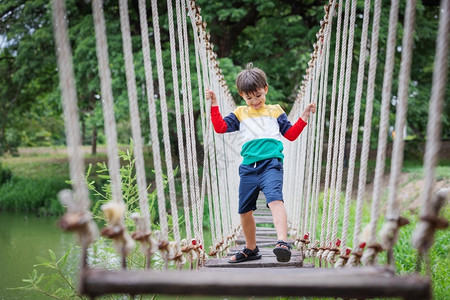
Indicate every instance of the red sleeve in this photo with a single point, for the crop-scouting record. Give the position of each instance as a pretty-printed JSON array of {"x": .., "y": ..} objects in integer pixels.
[
  {"x": 220, "y": 126},
  {"x": 295, "y": 130}
]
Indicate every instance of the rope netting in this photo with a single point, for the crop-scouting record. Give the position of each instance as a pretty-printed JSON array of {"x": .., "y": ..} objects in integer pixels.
[{"x": 318, "y": 210}]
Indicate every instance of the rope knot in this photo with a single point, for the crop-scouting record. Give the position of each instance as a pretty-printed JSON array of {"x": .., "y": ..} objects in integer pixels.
[
  {"x": 430, "y": 221},
  {"x": 370, "y": 255},
  {"x": 74, "y": 220}
]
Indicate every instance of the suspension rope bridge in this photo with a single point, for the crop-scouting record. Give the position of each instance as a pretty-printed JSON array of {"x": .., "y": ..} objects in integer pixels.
[{"x": 315, "y": 237}]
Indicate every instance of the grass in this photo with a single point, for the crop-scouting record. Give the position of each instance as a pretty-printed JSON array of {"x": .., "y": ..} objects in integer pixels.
[{"x": 38, "y": 177}]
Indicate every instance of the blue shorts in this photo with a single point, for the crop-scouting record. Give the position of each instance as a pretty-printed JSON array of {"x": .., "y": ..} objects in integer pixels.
[{"x": 266, "y": 176}]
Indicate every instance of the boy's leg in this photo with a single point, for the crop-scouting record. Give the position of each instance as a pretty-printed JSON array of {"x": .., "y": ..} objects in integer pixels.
[
  {"x": 249, "y": 227},
  {"x": 282, "y": 249},
  {"x": 248, "y": 194},
  {"x": 279, "y": 219}
]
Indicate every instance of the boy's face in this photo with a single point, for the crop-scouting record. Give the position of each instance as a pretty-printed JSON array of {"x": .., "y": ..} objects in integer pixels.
[{"x": 257, "y": 99}]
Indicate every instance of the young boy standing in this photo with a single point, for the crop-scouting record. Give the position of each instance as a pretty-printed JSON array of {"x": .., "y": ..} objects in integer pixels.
[{"x": 261, "y": 127}]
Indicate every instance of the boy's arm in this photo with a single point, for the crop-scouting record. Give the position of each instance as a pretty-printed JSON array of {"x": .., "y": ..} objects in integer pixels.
[
  {"x": 221, "y": 125},
  {"x": 291, "y": 132}
]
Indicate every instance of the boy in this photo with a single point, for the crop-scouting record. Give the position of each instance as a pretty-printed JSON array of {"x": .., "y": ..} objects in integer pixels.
[{"x": 260, "y": 126}]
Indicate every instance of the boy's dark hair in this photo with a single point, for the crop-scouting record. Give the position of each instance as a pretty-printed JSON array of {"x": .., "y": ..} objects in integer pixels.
[{"x": 251, "y": 79}]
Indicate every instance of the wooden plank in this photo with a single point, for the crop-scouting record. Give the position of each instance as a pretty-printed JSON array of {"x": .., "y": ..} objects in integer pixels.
[
  {"x": 241, "y": 241},
  {"x": 265, "y": 262},
  {"x": 262, "y": 214},
  {"x": 265, "y": 229},
  {"x": 262, "y": 282},
  {"x": 261, "y": 240},
  {"x": 263, "y": 251},
  {"x": 263, "y": 220}
]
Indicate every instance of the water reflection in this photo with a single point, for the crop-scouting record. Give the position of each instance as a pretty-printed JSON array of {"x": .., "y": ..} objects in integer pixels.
[{"x": 22, "y": 239}]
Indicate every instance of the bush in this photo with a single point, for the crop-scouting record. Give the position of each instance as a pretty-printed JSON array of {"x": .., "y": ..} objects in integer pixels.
[
  {"x": 5, "y": 174},
  {"x": 32, "y": 195}
]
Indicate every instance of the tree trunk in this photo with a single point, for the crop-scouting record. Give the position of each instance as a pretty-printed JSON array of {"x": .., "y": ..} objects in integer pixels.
[{"x": 94, "y": 141}]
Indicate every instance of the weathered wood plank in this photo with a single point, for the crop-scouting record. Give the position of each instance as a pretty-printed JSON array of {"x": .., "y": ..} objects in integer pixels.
[
  {"x": 262, "y": 282},
  {"x": 265, "y": 262},
  {"x": 261, "y": 240},
  {"x": 262, "y": 251},
  {"x": 265, "y": 229},
  {"x": 263, "y": 220}
]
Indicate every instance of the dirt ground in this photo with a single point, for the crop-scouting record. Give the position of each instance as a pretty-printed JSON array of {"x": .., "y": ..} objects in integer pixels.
[{"x": 409, "y": 191}]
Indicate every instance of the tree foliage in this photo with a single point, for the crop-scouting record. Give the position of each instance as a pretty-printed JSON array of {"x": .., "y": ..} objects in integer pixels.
[{"x": 275, "y": 35}]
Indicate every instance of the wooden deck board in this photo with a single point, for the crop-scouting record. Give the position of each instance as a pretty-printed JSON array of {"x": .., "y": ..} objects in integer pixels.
[
  {"x": 266, "y": 261},
  {"x": 352, "y": 283}
]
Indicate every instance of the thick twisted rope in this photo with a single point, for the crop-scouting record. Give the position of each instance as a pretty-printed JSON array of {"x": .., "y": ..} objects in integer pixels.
[
  {"x": 319, "y": 146},
  {"x": 164, "y": 119},
  {"x": 389, "y": 234},
  {"x": 355, "y": 126},
  {"x": 334, "y": 194},
  {"x": 200, "y": 61},
  {"x": 190, "y": 122},
  {"x": 70, "y": 107},
  {"x": 327, "y": 37},
  {"x": 343, "y": 126},
  {"x": 353, "y": 260},
  {"x": 184, "y": 180},
  {"x": 423, "y": 236},
  {"x": 133, "y": 104},
  {"x": 371, "y": 253},
  {"x": 151, "y": 110},
  {"x": 79, "y": 204},
  {"x": 326, "y": 203},
  {"x": 173, "y": 56},
  {"x": 312, "y": 140},
  {"x": 108, "y": 104}
]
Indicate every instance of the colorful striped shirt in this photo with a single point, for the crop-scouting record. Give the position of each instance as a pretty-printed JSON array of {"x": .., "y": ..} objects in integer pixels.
[{"x": 260, "y": 129}]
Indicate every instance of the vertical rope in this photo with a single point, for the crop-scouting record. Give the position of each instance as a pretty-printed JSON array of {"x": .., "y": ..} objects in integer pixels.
[
  {"x": 173, "y": 56},
  {"x": 327, "y": 211},
  {"x": 151, "y": 101},
  {"x": 184, "y": 180},
  {"x": 370, "y": 255},
  {"x": 165, "y": 122},
  {"x": 108, "y": 105},
  {"x": 190, "y": 117},
  {"x": 312, "y": 139},
  {"x": 133, "y": 104},
  {"x": 335, "y": 194},
  {"x": 355, "y": 126},
  {"x": 354, "y": 259},
  {"x": 319, "y": 140},
  {"x": 201, "y": 47},
  {"x": 308, "y": 167},
  {"x": 323, "y": 97},
  {"x": 422, "y": 237},
  {"x": 78, "y": 205},
  {"x": 389, "y": 233},
  {"x": 199, "y": 204},
  {"x": 70, "y": 108},
  {"x": 343, "y": 126}
]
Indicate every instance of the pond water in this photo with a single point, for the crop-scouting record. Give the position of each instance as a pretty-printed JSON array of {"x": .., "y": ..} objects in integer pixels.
[{"x": 23, "y": 238}]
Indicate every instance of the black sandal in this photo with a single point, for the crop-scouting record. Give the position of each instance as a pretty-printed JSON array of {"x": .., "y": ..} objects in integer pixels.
[
  {"x": 282, "y": 251},
  {"x": 245, "y": 255}
]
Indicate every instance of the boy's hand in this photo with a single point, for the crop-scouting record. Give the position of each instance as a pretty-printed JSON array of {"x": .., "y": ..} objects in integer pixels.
[
  {"x": 210, "y": 95},
  {"x": 310, "y": 108}
]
